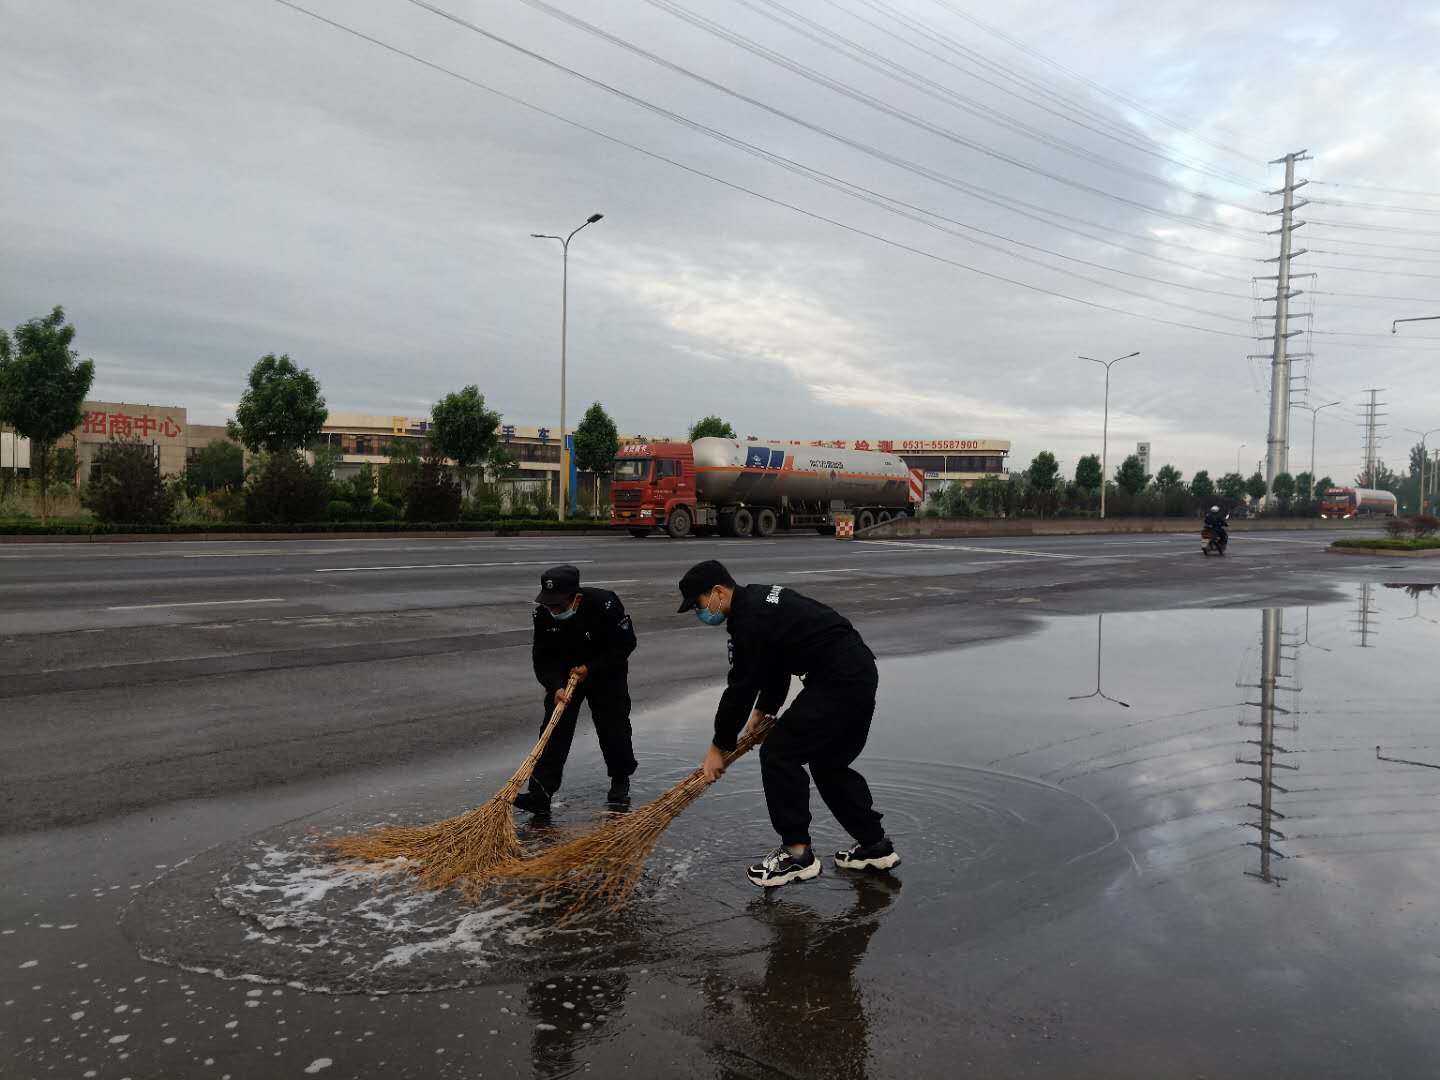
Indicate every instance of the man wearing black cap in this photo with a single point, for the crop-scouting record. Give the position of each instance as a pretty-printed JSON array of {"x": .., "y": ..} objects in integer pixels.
[
  {"x": 776, "y": 633},
  {"x": 587, "y": 633}
]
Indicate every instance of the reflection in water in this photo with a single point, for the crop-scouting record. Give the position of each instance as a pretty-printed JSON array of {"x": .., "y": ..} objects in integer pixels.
[
  {"x": 805, "y": 1015},
  {"x": 569, "y": 1011},
  {"x": 1099, "y": 653},
  {"x": 1416, "y": 592},
  {"x": 1365, "y": 612},
  {"x": 1278, "y": 658}
]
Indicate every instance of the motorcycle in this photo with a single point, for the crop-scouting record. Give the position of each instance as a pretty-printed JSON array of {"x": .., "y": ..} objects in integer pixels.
[{"x": 1214, "y": 541}]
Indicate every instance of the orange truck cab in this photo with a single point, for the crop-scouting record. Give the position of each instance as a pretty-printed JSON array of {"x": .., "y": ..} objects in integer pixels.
[{"x": 653, "y": 487}]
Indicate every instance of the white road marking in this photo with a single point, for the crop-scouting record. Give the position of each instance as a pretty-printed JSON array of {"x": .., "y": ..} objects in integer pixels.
[
  {"x": 615, "y": 581},
  {"x": 441, "y": 566},
  {"x": 841, "y": 570},
  {"x": 197, "y": 603}
]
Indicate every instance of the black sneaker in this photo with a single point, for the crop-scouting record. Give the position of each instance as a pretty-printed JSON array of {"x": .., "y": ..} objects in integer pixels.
[
  {"x": 534, "y": 801},
  {"x": 877, "y": 856},
  {"x": 781, "y": 868},
  {"x": 619, "y": 790}
]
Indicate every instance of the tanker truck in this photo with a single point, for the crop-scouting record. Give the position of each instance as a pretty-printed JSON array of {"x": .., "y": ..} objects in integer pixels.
[
  {"x": 755, "y": 488},
  {"x": 1348, "y": 502}
]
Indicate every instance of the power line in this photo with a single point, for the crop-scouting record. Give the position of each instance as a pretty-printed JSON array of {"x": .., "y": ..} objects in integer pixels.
[
  {"x": 890, "y": 204},
  {"x": 1385, "y": 208},
  {"x": 1377, "y": 187},
  {"x": 813, "y": 215},
  {"x": 1360, "y": 227},
  {"x": 1372, "y": 270},
  {"x": 838, "y": 43},
  {"x": 1098, "y": 87},
  {"x": 670, "y": 65},
  {"x": 1064, "y": 101}
]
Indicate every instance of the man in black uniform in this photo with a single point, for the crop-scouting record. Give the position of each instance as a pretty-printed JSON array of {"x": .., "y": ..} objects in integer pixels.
[
  {"x": 776, "y": 633},
  {"x": 584, "y": 632}
]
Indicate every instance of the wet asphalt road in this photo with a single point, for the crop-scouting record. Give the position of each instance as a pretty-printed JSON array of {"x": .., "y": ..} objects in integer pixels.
[{"x": 1075, "y": 900}]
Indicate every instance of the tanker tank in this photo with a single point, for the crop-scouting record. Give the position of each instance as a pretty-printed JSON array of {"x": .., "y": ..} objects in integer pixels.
[{"x": 763, "y": 473}]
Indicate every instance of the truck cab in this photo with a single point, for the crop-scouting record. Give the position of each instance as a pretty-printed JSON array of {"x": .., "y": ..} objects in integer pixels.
[{"x": 652, "y": 487}]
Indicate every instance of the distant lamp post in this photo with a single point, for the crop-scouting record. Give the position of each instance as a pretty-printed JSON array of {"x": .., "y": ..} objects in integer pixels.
[
  {"x": 1314, "y": 412},
  {"x": 1105, "y": 430},
  {"x": 1424, "y": 437},
  {"x": 564, "y": 330},
  {"x": 1237, "y": 458}
]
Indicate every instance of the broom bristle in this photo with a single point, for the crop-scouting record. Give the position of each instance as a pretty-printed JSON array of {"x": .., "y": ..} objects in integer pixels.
[
  {"x": 465, "y": 849},
  {"x": 599, "y": 870}
]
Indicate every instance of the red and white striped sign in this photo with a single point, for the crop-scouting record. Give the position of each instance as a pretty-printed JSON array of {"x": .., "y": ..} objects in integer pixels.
[
  {"x": 917, "y": 486},
  {"x": 844, "y": 526}
]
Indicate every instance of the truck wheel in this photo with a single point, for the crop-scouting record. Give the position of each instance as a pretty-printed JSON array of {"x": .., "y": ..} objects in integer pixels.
[
  {"x": 765, "y": 522},
  {"x": 678, "y": 524},
  {"x": 864, "y": 519},
  {"x": 639, "y": 534},
  {"x": 883, "y": 518},
  {"x": 744, "y": 522}
]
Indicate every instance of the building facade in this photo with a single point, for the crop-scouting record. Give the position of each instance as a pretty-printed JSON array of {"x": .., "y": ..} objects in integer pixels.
[
  {"x": 362, "y": 439},
  {"x": 943, "y": 461},
  {"x": 166, "y": 428}
]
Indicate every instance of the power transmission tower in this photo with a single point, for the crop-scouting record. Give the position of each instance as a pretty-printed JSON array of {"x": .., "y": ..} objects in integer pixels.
[
  {"x": 1372, "y": 433},
  {"x": 1279, "y": 657},
  {"x": 1277, "y": 443}
]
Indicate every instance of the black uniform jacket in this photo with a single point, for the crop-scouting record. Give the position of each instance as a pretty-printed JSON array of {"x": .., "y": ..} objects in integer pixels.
[
  {"x": 776, "y": 633},
  {"x": 599, "y": 635}
]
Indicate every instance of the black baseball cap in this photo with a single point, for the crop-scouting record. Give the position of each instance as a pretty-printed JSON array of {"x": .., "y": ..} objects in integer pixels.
[
  {"x": 558, "y": 585},
  {"x": 701, "y": 578}
]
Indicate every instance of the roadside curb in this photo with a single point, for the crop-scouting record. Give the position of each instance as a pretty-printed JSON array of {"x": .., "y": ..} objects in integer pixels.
[
  {"x": 1432, "y": 553},
  {"x": 206, "y": 537}
]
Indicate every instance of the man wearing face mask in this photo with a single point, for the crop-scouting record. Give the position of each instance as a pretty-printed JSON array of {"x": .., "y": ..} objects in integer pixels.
[
  {"x": 584, "y": 632},
  {"x": 775, "y": 633}
]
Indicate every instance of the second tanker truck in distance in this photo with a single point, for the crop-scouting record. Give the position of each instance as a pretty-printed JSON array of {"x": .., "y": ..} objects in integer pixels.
[{"x": 755, "y": 488}]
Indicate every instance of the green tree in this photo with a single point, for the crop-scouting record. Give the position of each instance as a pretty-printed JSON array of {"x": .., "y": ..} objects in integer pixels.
[
  {"x": 433, "y": 495},
  {"x": 988, "y": 494},
  {"x": 401, "y": 468},
  {"x": 218, "y": 464},
  {"x": 1304, "y": 487},
  {"x": 1283, "y": 489},
  {"x": 1169, "y": 479},
  {"x": 596, "y": 443},
  {"x": 282, "y": 411},
  {"x": 1385, "y": 478},
  {"x": 359, "y": 490},
  {"x": 42, "y": 386},
  {"x": 283, "y": 488},
  {"x": 1201, "y": 486},
  {"x": 465, "y": 431},
  {"x": 1232, "y": 486},
  {"x": 1130, "y": 477},
  {"x": 1087, "y": 473},
  {"x": 126, "y": 487},
  {"x": 711, "y": 426},
  {"x": 1042, "y": 471},
  {"x": 64, "y": 462},
  {"x": 1323, "y": 485},
  {"x": 1255, "y": 486}
]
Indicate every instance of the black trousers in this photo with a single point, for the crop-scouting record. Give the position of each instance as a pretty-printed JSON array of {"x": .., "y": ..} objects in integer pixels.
[
  {"x": 825, "y": 728},
  {"x": 610, "y": 710}
]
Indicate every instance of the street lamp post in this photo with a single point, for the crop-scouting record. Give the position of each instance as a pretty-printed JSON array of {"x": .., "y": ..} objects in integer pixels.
[
  {"x": 564, "y": 332},
  {"x": 1237, "y": 458},
  {"x": 1105, "y": 430},
  {"x": 1424, "y": 436},
  {"x": 1395, "y": 324},
  {"x": 1314, "y": 412}
]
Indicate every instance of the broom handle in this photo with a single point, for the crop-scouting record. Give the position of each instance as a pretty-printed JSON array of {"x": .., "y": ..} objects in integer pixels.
[
  {"x": 753, "y": 738},
  {"x": 527, "y": 766}
]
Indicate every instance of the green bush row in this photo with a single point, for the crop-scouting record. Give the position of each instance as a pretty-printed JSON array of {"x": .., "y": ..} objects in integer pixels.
[
  {"x": 96, "y": 528},
  {"x": 1376, "y": 543}
]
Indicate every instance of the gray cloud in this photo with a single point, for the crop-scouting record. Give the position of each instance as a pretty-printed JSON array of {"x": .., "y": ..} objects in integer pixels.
[{"x": 203, "y": 184}]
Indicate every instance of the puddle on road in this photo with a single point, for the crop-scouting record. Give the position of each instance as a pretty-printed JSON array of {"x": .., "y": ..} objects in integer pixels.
[{"x": 1185, "y": 811}]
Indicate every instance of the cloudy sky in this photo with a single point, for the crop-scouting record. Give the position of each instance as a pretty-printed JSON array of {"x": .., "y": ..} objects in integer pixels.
[{"x": 823, "y": 218}]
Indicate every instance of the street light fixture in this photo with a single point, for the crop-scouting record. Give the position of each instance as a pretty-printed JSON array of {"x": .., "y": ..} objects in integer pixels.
[
  {"x": 1314, "y": 412},
  {"x": 1237, "y": 458},
  {"x": 1424, "y": 436},
  {"x": 564, "y": 332},
  {"x": 1395, "y": 325},
  {"x": 1105, "y": 431}
]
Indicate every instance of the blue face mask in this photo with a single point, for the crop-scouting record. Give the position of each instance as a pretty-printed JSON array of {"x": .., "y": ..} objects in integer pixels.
[
  {"x": 709, "y": 618},
  {"x": 561, "y": 616}
]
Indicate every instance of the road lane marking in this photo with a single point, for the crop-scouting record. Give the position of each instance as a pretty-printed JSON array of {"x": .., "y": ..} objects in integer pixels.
[
  {"x": 197, "y": 603},
  {"x": 840, "y": 570},
  {"x": 982, "y": 550},
  {"x": 442, "y": 566}
]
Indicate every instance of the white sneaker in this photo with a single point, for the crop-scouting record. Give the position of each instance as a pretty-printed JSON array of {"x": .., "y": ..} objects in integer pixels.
[{"x": 781, "y": 868}]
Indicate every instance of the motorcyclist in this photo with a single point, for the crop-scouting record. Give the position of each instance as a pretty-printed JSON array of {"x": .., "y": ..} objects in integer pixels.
[{"x": 1217, "y": 522}]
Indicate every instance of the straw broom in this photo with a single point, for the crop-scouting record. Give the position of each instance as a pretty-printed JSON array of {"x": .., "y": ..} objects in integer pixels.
[
  {"x": 598, "y": 870},
  {"x": 472, "y": 846}
]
